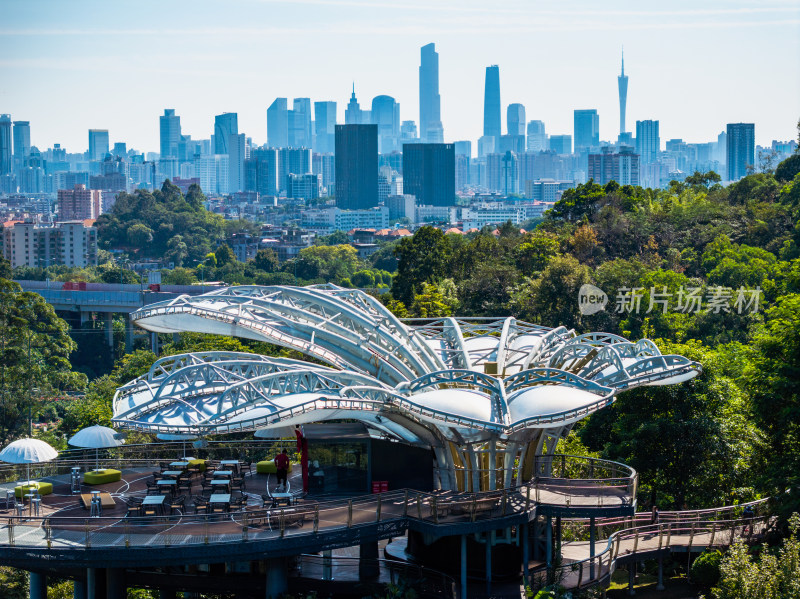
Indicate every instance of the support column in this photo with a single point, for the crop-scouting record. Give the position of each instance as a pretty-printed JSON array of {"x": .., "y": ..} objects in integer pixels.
[
  {"x": 327, "y": 565},
  {"x": 660, "y": 585},
  {"x": 591, "y": 547},
  {"x": 368, "y": 566},
  {"x": 463, "y": 566},
  {"x": 128, "y": 334},
  {"x": 549, "y": 541},
  {"x": 631, "y": 578},
  {"x": 558, "y": 537},
  {"x": 277, "y": 578},
  {"x": 488, "y": 563},
  {"x": 79, "y": 589},
  {"x": 37, "y": 586},
  {"x": 115, "y": 584},
  {"x": 154, "y": 343},
  {"x": 108, "y": 319},
  {"x": 167, "y": 594},
  {"x": 95, "y": 583},
  {"x": 492, "y": 464},
  {"x": 85, "y": 317},
  {"x": 525, "y": 558}
]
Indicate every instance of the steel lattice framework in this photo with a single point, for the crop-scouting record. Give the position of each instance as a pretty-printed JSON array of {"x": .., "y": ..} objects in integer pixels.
[{"x": 483, "y": 393}]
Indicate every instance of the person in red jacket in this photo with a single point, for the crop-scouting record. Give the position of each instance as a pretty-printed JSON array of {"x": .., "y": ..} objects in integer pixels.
[
  {"x": 282, "y": 468},
  {"x": 302, "y": 448}
]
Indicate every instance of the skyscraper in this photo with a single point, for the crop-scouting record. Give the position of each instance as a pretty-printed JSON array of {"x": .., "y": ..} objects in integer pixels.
[
  {"x": 386, "y": 114},
  {"x": 324, "y": 126},
  {"x": 225, "y": 125},
  {"x": 278, "y": 124},
  {"x": 491, "y": 103},
  {"x": 429, "y": 173},
  {"x": 537, "y": 138},
  {"x": 740, "y": 149},
  {"x": 515, "y": 119},
  {"x": 622, "y": 83},
  {"x": 236, "y": 156},
  {"x": 430, "y": 119},
  {"x": 648, "y": 142},
  {"x": 587, "y": 129},
  {"x": 622, "y": 167},
  {"x": 561, "y": 144},
  {"x": 261, "y": 171},
  {"x": 5, "y": 144},
  {"x": 300, "y": 123},
  {"x": 356, "y": 166},
  {"x": 352, "y": 114},
  {"x": 98, "y": 144},
  {"x": 170, "y": 129}
]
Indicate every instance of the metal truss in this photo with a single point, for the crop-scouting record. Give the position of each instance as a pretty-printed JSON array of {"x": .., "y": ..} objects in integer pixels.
[{"x": 421, "y": 381}]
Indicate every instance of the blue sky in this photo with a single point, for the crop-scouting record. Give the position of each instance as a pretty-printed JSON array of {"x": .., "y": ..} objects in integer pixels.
[{"x": 71, "y": 66}]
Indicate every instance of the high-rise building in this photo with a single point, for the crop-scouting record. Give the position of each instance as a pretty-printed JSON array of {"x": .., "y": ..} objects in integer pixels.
[
  {"x": 408, "y": 131},
  {"x": 429, "y": 173},
  {"x": 170, "y": 130},
  {"x": 515, "y": 119},
  {"x": 324, "y": 127},
  {"x": 353, "y": 113},
  {"x": 302, "y": 187},
  {"x": 292, "y": 161},
  {"x": 35, "y": 245},
  {"x": 386, "y": 114},
  {"x": 587, "y": 129},
  {"x": 261, "y": 171},
  {"x": 741, "y": 146},
  {"x": 622, "y": 83},
  {"x": 622, "y": 167},
  {"x": 278, "y": 124},
  {"x": 236, "y": 158},
  {"x": 120, "y": 150},
  {"x": 225, "y": 125},
  {"x": 324, "y": 165},
  {"x": 300, "y": 123},
  {"x": 491, "y": 102},
  {"x": 463, "y": 148},
  {"x": 430, "y": 119},
  {"x": 98, "y": 144},
  {"x": 648, "y": 142},
  {"x": 356, "y": 166},
  {"x": 561, "y": 144},
  {"x": 22, "y": 143},
  {"x": 6, "y": 153},
  {"x": 537, "y": 138},
  {"x": 79, "y": 203}
]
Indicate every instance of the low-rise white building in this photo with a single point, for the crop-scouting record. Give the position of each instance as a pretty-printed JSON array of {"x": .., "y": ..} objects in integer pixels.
[
  {"x": 328, "y": 220},
  {"x": 71, "y": 243}
]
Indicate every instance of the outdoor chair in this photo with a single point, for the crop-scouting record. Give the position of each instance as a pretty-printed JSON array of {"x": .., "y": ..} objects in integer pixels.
[
  {"x": 200, "y": 504},
  {"x": 134, "y": 508},
  {"x": 177, "y": 504},
  {"x": 152, "y": 489}
]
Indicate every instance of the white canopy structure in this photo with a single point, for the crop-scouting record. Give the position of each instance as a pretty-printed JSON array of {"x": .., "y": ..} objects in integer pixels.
[
  {"x": 480, "y": 392},
  {"x": 27, "y": 451}
]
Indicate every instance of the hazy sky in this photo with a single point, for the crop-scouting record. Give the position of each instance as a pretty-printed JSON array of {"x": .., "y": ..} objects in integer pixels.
[{"x": 68, "y": 66}]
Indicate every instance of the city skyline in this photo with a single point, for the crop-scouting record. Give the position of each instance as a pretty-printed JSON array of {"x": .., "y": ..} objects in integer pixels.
[{"x": 71, "y": 49}]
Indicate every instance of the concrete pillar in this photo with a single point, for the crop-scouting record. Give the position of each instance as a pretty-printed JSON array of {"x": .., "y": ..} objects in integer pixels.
[
  {"x": 488, "y": 564},
  {"x": 277, "y": 578},
  {"x": 525, "y": 558},
  {"x": 492, "y": 464},
  {"x": 549, "y": 541},
  {"x": 115, "y": 584},
  {"x": 463, "y": 566},
  {"x": 167, "y": 594},
  {"x": 631, "y": 578},
  {"x": 327, "y": 565},
  {"x": 154, "y": 343},
  {"x": 176, "y": 338},
  {"x": 108, "y": 319},
  {"x": 660, "y": 585},
  {"x": 591, "y": 547},
  {"x": 128, "y": 334},
  {"x": 37, "y": 586},
  {"x": 95, "y": 583},
  {"x": 368, "y": 565},
  {"x": 85, "y": 317},
  {"x": 79, "y": 589}
]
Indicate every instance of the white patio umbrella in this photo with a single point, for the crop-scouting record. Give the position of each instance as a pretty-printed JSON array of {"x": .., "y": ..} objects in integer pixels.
[
  {"x": 177, "y": 437},
  {"x": 278, "y": 432},
  {"x": 27, "y": 451},
  {"x": 96, "y": 437}
]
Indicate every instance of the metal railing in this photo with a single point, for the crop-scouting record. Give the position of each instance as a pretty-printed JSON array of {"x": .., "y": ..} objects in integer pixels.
[{"x": 257, "y": 522}]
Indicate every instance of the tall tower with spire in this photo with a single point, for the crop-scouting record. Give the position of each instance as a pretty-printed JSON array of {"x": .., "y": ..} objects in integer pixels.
[
  {"x": 622, "y": 82},
  {"x": 352, "y": 114}
]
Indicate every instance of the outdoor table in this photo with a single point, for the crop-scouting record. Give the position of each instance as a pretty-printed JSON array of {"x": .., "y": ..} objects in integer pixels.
[
  {"x": 170, "y": 484},
  {"x": 30, "y": 497},
  {"x": 174, "y": 473},
  {"x": 220, "y": 498},
  {"x": 225, "y": 473},
  {"x": 220, "y": 483},
  {"x": 157, "y": 500},
  {"x": 282, "y": 499},
  {"x": 233, "y": 463},
  {"x": 181, "y": 465}
]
